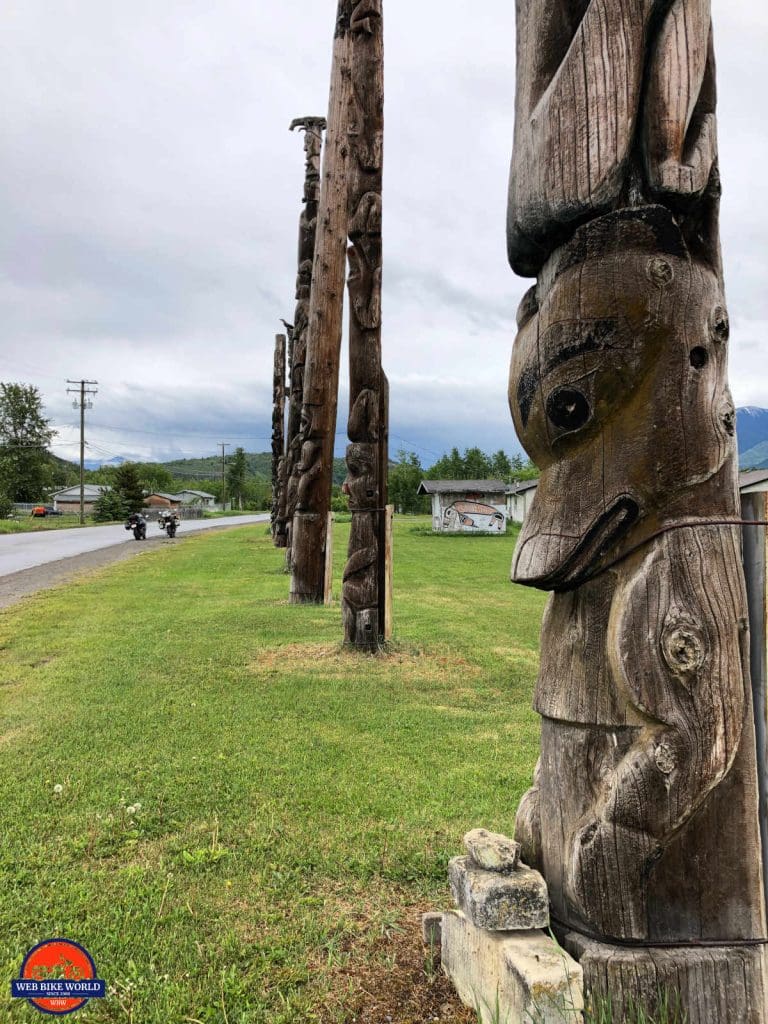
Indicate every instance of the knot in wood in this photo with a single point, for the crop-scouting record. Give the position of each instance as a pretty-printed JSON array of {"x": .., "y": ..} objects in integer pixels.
[
  {"x": 720, "y": 326},
  {"x": 660, "y": 272},
  {"x": 665, "y": 759},
  {"x": 684, "y": 647}
]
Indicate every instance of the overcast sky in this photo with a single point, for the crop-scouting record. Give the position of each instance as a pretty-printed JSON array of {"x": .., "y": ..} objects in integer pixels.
[{"x": 150, "y": 193}]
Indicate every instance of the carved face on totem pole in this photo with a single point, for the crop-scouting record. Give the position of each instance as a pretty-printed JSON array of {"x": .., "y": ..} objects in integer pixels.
[
  {"x": 360, "y": 483},
  {"x": 619, "y": 394}
]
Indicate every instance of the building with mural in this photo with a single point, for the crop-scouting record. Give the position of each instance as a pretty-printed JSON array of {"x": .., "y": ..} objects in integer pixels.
[{"x": 467, "y": 506}]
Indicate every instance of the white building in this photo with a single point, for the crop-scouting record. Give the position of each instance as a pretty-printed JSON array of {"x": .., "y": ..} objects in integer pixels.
[
  {"x": 466, "y": 506},
  {"x": 519, "y": 499}
]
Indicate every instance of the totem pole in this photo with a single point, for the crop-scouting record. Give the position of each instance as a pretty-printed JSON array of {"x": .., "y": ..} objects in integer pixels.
[
  {"x": 278, "y": 434},
  {"x": 643, "y": 815},
  {"x": 363, "y": 594},
  {"x": 313, "y": 128},
  {"x": 314, "y": 466}
]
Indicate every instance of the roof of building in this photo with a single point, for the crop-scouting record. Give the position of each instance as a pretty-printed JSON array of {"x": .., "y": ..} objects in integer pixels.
[
  {"x": 200, "y": 494},
  {"x": 89, "y": 491},
  {"x": 524, "y": 485},
  {"x": 461, "y": 486},
  {"x": 753, "y": 477},
  {"x": 162, "y": 494}
]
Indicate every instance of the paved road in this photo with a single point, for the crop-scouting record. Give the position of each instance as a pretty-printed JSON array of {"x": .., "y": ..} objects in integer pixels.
[{"x": 20, "y": 551}]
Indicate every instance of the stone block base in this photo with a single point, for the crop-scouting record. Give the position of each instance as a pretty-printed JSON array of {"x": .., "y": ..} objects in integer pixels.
[
  {"x": 706, "y": 985},
  {"x": 510, "y": 977}
]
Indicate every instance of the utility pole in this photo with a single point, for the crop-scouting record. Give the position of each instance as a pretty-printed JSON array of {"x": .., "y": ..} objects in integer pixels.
[
  {"x": 223, "y": 445},
  {"x": 81, "y": 391}
]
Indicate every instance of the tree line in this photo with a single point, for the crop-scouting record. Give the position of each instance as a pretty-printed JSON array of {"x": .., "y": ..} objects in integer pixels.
[
  {"x": 29, "y": 472},
  {"x": 407, "y": 472}
]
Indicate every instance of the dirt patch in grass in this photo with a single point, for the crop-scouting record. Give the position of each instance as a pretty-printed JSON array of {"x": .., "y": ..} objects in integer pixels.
[
  {"x": 333, "y": 659},
  {"x": 390, "y": 977},
  {"x": 6, "y": 738}
]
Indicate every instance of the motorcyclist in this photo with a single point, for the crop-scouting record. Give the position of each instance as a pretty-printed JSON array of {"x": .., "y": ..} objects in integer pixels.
[
  {"x": 168, "y": 518},
  {"x": 137, "y": 523}
]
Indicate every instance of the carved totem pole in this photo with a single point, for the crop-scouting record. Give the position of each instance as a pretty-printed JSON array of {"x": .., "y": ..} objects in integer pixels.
[
  {"x": 314, "y": 468},
  {"x": 363, "y": 596},
  {"x": 643, "y": 816},
  {"x": 278, "y": 434},
  {"x": 313, "y": 128}
]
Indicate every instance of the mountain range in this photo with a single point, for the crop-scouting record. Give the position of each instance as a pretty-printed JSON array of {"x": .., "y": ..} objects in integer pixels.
[
  {"x": 752, "y": 434},
  {"x": 751, "y": 431}
]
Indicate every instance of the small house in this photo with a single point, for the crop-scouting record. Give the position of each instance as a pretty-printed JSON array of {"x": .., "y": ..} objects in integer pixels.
[
  {"x": 189, "y": 497},
  {"x": 68, "y": 500},
  {"x": 467, "y": 506},
  {"x": 519, "y": 499},
  {"x": 753, "y": 486},
  {"x": 158, "y": 499}
]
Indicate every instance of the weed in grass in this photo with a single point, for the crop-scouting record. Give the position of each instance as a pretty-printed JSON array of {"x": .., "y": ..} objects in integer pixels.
[{"x": 666, "y": 1010}]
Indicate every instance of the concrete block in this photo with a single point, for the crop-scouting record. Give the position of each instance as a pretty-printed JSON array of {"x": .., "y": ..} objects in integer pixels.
[
  {"x": 431, "y": 930},
  {"x": 518, "y": 901},
  {"x": 512, "y": 978},
  {"x": 492, "y": 851}
]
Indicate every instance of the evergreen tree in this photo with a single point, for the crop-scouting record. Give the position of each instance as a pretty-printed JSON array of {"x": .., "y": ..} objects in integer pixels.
[
  {"x": 127, "y": 483},
  {"x": 236, "y": 473},
  {"x": 24, "y": 438},
  {"x": 501, "y": 467},
  {"x": 404, "y": 479},
  {"x": 109, "y": 507}
]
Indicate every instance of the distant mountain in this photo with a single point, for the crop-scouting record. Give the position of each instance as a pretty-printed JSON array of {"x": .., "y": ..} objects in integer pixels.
[
  {"x": 118, "y": 460},
  {"x": 259, "y": 465},
  {"x": 752, "y": 434}
]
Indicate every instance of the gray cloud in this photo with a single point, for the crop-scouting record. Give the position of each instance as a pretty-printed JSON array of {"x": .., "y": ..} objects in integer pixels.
[{"x": 150, "y": 192}]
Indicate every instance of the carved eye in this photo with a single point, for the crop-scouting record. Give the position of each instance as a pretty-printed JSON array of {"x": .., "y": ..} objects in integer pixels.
[
  {"x": 568, "y": 409},
  {"x": 699, "y": 357}
]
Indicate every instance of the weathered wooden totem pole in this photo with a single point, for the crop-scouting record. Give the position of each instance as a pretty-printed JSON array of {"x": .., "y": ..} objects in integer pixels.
[
  {"x": 363, "y": 596},
  {"x": 643, "y": 816},
  {"x": 314, "y": 469},
  {"x": 313, "y": 128},
  {"x": 278, "y": 435}
]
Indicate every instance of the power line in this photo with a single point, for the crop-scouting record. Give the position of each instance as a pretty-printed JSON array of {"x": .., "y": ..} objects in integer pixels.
[{"x": 84, "y": 402}]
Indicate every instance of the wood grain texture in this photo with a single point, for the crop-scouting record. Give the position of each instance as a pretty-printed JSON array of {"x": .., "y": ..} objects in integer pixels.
[
  {"x": 363, "y": 588},
  {"x": 712, "y": 984},
  {"x": 643, "y": 815},
  {"x": 313, "y": 128},
  {"x": 278, "y": 439},
  {"x": 321, "y": 372},
  {"x": 614, "y": 107}
]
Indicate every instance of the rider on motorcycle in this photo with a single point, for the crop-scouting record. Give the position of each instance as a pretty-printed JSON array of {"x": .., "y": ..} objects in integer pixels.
[
  {"x": 168, "y": 520},
  {"x": 138, "y": 524}
]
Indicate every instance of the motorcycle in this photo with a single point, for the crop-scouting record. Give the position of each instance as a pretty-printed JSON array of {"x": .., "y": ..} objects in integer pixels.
[
  {"x": 138, "y": 524},
  {"x": 169, "y": 522}
]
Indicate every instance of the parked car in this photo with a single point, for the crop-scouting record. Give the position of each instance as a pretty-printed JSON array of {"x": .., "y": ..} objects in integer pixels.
[{"x": 45, "y": 510}]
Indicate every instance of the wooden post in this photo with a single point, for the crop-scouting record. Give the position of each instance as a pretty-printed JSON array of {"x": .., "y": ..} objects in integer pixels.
[
  {"x": 754, "y": 508},
  {"x": 389, "y": 573},
  {"x": 313, "y": 128},
  {"x": 278, "y": 434},
  {"x": 321, "y": 375},
  {"x": 328, "y": 569},
  {"x": 363, "y": 591},
  {"x": 643, "y": 816}
]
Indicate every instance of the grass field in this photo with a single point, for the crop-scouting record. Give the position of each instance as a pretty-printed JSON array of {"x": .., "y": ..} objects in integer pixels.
[
  {"x": 34, "y": 524},
  {"x": 250, "y": 820}
]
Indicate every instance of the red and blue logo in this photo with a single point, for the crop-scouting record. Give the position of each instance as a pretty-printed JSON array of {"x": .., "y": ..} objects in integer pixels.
[{"x": 58, "y": 977}]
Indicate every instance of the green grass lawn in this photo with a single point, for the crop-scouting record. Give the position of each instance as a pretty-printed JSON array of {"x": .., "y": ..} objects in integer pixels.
[
  {"x": 36, "y": 524},
  {"x": 298, "y": 802}
]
